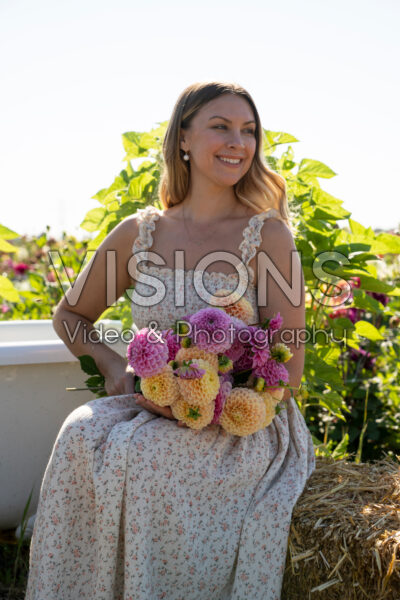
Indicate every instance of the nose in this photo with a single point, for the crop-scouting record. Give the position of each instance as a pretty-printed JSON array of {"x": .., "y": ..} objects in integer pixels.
[{"x": 236, "y": 139}]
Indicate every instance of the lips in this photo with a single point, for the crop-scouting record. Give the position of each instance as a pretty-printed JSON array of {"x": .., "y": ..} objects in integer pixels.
[{"x": 229, "y": 164}]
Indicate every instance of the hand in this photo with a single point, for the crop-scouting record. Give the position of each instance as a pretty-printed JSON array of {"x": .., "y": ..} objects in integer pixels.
[
  {"x": 164, "y": 411},
  {"x": 118, "y": 380}
]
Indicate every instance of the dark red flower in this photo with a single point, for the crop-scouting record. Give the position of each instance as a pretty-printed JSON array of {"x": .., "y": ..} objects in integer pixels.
[
  {"x": 383, "y": 298},
  {"x": 356, "y": 355},
  {"x": 20, "y": 268},
  {"x": 350, "y": 313}
]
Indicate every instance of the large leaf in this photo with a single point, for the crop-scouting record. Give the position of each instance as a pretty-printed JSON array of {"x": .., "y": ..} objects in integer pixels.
[
  {"x": 7, "y": 234},
  {"x": 274, "y": 138},
  {"x": 314, "y": 168},
  {"x": 93, "y": 219},
  {"x": 7, "y": 290},
  {"x": 362, "y": 300},
  {"x": 137, "y": 144},
  {"x": 95, "y": 242},
  {"x": 6, "y": 247},
  {"x": 368, "y": 331},
  {"x": 321, "y": 371},
  {"x": 374, "y": 285},
  {"x": 138, "y": 185},
  {"x": 392, "y": 242},
  {"x": 333, "y": 402},
  {"x": 328, "y": 205},
  {"x": 88, "y": 365}
]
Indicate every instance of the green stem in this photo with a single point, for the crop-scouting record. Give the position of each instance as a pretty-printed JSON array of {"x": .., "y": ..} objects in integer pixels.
[
  {"x": 365, "y": 421},
  {"x": 92, "y": 389}
]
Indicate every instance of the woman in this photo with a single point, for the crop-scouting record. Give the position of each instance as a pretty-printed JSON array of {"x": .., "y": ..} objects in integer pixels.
[{"x": 131, "y": 506}]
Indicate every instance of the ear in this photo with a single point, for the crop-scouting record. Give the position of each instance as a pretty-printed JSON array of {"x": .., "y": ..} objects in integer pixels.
[{"x": 182, "y": 139}]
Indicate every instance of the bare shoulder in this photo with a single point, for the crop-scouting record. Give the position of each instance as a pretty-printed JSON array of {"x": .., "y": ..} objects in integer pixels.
[
  {"x": 124, "y": 234},
  {"x": 276, "y": 237}
]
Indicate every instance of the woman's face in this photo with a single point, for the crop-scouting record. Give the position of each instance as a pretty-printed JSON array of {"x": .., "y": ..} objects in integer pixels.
[{"x": 224, "y": 127}]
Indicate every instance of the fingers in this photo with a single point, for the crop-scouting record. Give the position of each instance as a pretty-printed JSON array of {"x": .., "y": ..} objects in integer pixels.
[
  {"x": 164, "y": 411},
  {"x": 129, "y": 383}
]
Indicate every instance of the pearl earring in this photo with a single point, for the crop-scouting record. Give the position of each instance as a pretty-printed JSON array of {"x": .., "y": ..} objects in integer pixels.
[{"x": 186, "y": 156}]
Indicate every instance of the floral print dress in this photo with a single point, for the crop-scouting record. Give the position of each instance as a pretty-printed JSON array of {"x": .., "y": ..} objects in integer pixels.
[{"x": 133, "y": 507}]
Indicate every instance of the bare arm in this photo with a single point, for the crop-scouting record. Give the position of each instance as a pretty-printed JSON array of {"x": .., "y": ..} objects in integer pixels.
[
  {"x": 76, "y": 312},
  {"x": 74, "y": 317},
  {"x": 278, "y": 244}
]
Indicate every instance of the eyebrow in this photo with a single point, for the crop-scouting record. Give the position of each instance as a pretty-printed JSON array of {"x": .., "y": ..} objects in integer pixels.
[{"x": 225, "y": 119}]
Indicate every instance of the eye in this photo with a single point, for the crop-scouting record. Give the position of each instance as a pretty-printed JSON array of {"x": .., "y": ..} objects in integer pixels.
[{"x": 250, "y": 130}]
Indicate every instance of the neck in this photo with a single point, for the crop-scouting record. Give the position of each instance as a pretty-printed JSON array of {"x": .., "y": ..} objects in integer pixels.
[{"x": 203, "y": 207}]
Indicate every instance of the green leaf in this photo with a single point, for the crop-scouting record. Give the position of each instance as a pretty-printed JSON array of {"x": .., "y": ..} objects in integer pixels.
[
  {"x": 356, "y": 227},
  {"x": 95, "y": 242},
  {"x": 274, "y": 138},
  {"x": 343, "y": 323},
  {"x": 330, "y": 354},
  {"x": 36, "y": 281},
  {"x": 95, "y": 381},
  {"x": 319, "y": 370},
  {"x": 88, "y": 365},
  {"x": 138, "y": 184},
  {"x": 6, "y": 247},
  {"x": 7, "y": 290},
  {"x": 394, "y": 292},
  {"x": 333, "y": 402},
  {"x": 392, "y": 242},
  {"x": 93, "y": 219},
  {"x": 362, "y": 300},
  {"x": 374, "y": 285},
  {"x": 314, "y": 168},
  {"x": 137, "y": 144},
  {"x": 328, "y": 205},
  {"x": 340, "y": 450},
  {"x": 7, "y": 234},
  {"x": 368, "y": 331}
]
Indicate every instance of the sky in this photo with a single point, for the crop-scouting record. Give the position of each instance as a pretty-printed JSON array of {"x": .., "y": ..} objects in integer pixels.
[{"x": 76, "y": 75}]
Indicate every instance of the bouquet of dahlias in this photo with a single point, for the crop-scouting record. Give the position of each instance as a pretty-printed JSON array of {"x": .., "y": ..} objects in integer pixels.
[{"x": 213, "y": 366}]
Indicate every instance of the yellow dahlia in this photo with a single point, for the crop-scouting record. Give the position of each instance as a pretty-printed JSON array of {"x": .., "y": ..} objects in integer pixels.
[
  {"x": 162, "y": 389},
  {"x": 195, "y": 352},
  {"x": 270, "y": 404},
  {"x": 281, "y": 352},
  {"x": 277, "y": 393},
  {"x": 244, "y": 412},
  {"x": 239, "y": 307},
  {"x": 196, "y": 417},
  {"x": 202, "y": 390}
]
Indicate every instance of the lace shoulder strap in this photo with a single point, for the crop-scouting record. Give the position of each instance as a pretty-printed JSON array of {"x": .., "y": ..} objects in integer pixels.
[
  {"x": 146, "y": 218},
  {"x": 252, "y": 237}
]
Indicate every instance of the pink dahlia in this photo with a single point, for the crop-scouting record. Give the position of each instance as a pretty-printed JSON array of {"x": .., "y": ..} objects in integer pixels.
[
  {"x": 225, "y": 389},
  {"x": 236, "y": 350},
  {"x": 244, "y": 362},
  {"x": 173, "y": 342},
  {"x": 147, "y": 355},
  {"x": 275, "y": 324},
  {"x": 273, "y": 372},
  {"x": 226, "y": 377},
  {"x": 210, "y": 330},
  {"x": 259, "y": 339},
  {"x": 260, "y": 357},
  {"x": 189, "y": 370}
]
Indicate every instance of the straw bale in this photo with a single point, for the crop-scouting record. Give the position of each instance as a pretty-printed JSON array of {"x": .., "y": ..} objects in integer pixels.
[{"x": 344, "y": 540}]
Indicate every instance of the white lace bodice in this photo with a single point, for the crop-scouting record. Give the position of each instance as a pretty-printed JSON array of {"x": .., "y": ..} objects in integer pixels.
[{"x": 176, "y": 294}]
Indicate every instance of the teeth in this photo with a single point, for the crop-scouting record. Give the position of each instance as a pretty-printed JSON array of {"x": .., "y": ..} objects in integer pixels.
[{"x": 233, "y": 161}]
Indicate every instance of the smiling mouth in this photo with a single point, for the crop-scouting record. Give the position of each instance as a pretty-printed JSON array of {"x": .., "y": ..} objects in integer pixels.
[{"x": 230, "y": 163}]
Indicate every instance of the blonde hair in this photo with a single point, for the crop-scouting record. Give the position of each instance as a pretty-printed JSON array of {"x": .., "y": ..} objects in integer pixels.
[{"x": 260, "y": 188}]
